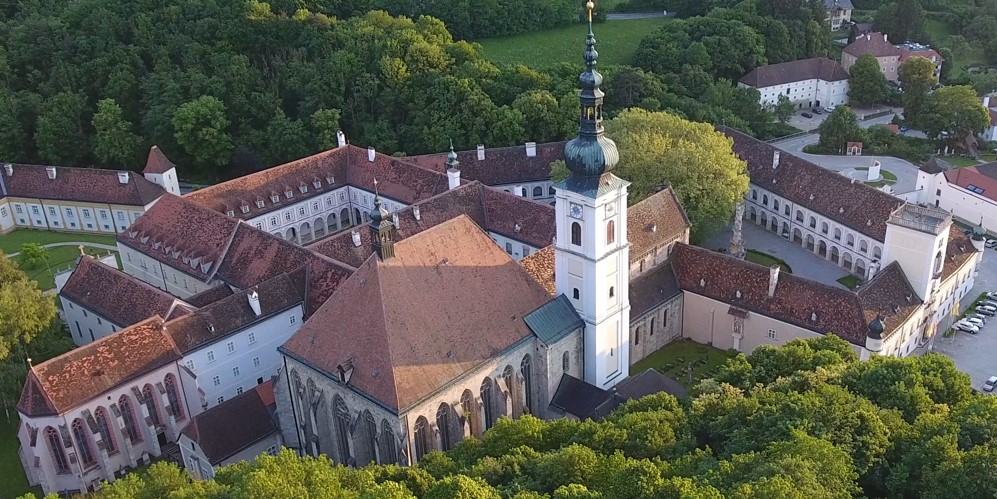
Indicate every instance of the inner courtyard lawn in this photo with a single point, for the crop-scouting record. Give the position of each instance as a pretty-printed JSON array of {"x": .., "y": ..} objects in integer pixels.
[
  {"x": 674, "y": 360},
  {"x": 11, "y": 242}
]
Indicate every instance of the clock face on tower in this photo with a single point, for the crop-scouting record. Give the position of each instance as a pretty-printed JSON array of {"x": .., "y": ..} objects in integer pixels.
[{"x": 575, "y": 210}]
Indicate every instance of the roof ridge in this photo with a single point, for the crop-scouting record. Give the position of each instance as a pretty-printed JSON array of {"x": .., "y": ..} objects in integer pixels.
[
  {"x": 383, "y": 317},
  {"x": 218, "y": 186}
]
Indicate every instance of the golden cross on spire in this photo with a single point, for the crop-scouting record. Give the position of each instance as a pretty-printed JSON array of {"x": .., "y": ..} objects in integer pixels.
[{"x": 590, "y": 5}]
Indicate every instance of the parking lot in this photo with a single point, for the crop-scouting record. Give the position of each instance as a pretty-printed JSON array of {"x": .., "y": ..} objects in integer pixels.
[{"x": 976, "y": 355}]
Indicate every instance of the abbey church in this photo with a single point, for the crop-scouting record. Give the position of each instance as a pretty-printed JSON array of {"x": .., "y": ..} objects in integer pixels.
[{"x": 373, "y": 309}]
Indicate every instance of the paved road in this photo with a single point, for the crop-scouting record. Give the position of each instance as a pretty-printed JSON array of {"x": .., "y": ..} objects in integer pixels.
[
  {"x": 905, "y": 171},
  {"x": 110, "y": 247}
]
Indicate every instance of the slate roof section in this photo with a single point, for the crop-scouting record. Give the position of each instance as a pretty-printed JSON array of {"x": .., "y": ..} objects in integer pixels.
[
  {"x": 233, "y": 314},
  {"x": 798, "y": 301},
  {"x": 655, "y": 220},
  {"x": 501, "y": 166},
  {"x": 115, "y": 295},
  {"x": 834, "y": 196},
  {"x": 652, "y": 289},
  {"x": 935, "y": 165},
  {"x": 85, "y": 185},
  {"x": 157, "y": 162},
  {"x": 219, "y": 438},
  {"x": 209, "y": 296},
  {"x": 554, "y": 319},
  {"x": 586, "y": 401},
  {"x": 833, "y": 5},
  {"x": 65, "y": 382},
  {"x": 183, "y": 235},
  {"x": 874, "y": 43},
  {"x": 491, "y": 209},
  {"x": 414, "y": 323},
  {"x": 578, "y": 398},
  {"x": 983, "y": 177},
  {"x": 817, "y": 68}
]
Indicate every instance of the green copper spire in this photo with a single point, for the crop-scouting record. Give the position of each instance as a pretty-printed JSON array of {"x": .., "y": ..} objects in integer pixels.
[
  {"x": 591, "y": 153},
  {"x": 452, "y": 163}
]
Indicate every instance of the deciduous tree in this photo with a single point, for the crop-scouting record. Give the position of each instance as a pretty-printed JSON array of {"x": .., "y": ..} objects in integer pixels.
[
  {"x": 957, "y": 111},
  {"x": 917, "y": 77},
  {"x": 114, "y": 141},
  {"x": 866, "y": 81},
  {"x": 201, "y": 128},
  {"x": 839, "y": 128},
  {"x": 24, "y": 310}
]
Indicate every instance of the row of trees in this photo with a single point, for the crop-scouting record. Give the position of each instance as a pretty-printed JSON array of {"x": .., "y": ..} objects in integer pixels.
[{"x": 806, "y": 420}]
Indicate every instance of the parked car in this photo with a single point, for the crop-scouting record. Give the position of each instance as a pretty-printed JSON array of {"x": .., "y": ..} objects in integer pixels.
[
  {"x": 987, "y": 311},
  {"x": 829, "y": 109},
  {"x": 992, "y": 295},
  {"x": 806, "y": 114},
  {"x": 817, "y": 110},
  {"x": 976, "y": 322},
  {"x": 967, "y": 327},
  {"x": 978, "y": 316},
  {"x": 988, "y": 385},
  {"x": 988, "y": 303},
  {"x": 991, "y": 243}
]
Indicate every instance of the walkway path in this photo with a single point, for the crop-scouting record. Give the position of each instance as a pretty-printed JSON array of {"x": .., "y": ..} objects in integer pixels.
[{"x": 103, "y": 246}]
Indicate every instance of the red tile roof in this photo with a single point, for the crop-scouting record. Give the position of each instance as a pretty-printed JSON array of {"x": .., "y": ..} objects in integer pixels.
[
  {"x": 73, "y": 378},
  {"x": 817, "y": 68},
  {"x": 209, "y": 296},
  {"x": 655, "y": 220},
  {"x": 404, "y": 342},
  {"x": 233, "y": 314},
  {"x": 183, "y": 235},
  {"x": 255, "y": 256},
  {"x": 219, "y": 438},
  {"x": 86, "y": 185},
  {"x": 834, "y": 196},
  {"x": 396, "y": 178},
  {"x": 959, "y": 250},
  {"x": 540, "y": 265},
  {"x": 874, "y": 43},
  {"x": 798, "y": 301},
  {"x": 982, "y": 176},
  {"x": 501, "y": 166},
  {"x": 906, "y": 53},
  {"x": 115, "y": 295},
  {"x": 491, "y": 209},
  {"x": 157, "y": 162}
]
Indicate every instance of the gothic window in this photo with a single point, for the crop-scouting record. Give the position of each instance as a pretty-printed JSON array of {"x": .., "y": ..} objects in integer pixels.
[
  {"x": 174, "y": 397},
  {"x": 387, "y": 448},
  {"x": 342, "y": 430},
  {"x": 444, "y": 422},
  {"x": 576, "y": 233},
  {"x": 509, "y": 376},
  {"x": 57, "y": 450},
  {"x": 652, "y": 326},
  {"x": 422, "y": 438},
  {"x": 368, "y": 440},
  {"x": 565, "y": 362},
  {"x": 83, "y": 443},
  {"x": 104, "y": 427},
  {"x": 128, "y": 414},
  {"x": 610, "y": 232},
  {"x": 526, "y": 370},
  {"x": 470, "y": 408},
  {"x": 487, "y": 389},
  {"x": 150, "y": 403},
  {"x": 664, "y": 320}
]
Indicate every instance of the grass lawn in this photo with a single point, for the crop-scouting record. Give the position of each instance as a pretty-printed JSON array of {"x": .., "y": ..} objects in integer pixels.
[
  {"x": 850, "y": 281},
  {"x": 617, "y": 43},
  {"x": 767, "y": 260},
  {"x": 11, "y": 242},
  {"x": 940, "y": 31},
  {"x": 59, "y": 258},
  {"x": 674, "y": 358},
  {"x": 13, "y": 483},
  {"x": 961, "y": 161}
]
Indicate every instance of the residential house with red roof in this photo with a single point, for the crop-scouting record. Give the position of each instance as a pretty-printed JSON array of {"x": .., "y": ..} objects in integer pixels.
[
  {"x": 90, "y": 200},
  {"x": 969, "y": 193},
  {"x": 877, "y": 44}
]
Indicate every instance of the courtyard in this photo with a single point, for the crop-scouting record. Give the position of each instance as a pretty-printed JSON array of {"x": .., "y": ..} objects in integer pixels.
[
  {"x": 63, "y": 250},
  {"x": 803, "y": 263}
]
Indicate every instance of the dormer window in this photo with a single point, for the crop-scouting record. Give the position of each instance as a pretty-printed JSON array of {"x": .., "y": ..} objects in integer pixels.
[
  {"x": 275, "y": 198},
  {"x": 259, "y": 203},
  {"x": 330, "y": 180},
  {"x": 230, "y": 213},
  {"x": 303, "y": 188},
  {"x": 317, "y": 184},
  {"x": 289, "y": 193},
  {"x": 244, "y": 208}
]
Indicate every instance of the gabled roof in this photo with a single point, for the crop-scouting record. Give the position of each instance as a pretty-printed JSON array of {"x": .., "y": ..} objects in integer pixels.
[
  {"x": 554, "y": 319},
  {"x": 585, "y": 401},
  {"x": 874, "y": 43},
  {"x": 86, "y": 185},
  {"x": 935, "y": 165},
  {"x": 73, "y": 378},
  {"x": 115, "y": 295},
  {"x": 209, "y": 296},
  {"x": 232, "y": 314},
  {"x": 798, "y": 301},
  {"x": 416, "y": 322},
  {"x": 981, "y": 180},
  {"x": 215, "y": 432},
  {"x": 833, "y": 5},
  {"x": 817, "y": 68},
  {"x": 957, "y": 252},
  {"x": 183, "y": 235},
  {"x": 540, "y": 265},
  {"x": 654, "y": 220},
  {"x": 834, "y": 196},
  {"x": 652, "y": 289},
  {"x": 157, "y": 162},
  {"x": 512, "y": 216},
  {"x": 501, "y": 166}
]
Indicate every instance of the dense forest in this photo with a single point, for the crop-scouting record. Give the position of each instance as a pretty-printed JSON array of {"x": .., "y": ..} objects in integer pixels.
[{"x": 806, "y": 420}]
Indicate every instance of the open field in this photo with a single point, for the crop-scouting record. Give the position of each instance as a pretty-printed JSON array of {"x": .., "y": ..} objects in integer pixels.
[
  {"x": 617, "y": 43},
  {"x": 675, "y": 358},
  {"x": 940, "y": 32}
]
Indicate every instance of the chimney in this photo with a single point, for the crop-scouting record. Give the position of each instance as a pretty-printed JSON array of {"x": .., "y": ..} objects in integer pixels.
[
  {"x": 51, "y": 172},
  {"x": 394, "y": 219},
  {"x": 986, "y": 101},
  {"x": 9, "y": 168},
  {"x": 868, "y": 36},
  {"x": 417, "y": 212},
  {"x": 775, "y": 158},
  {"x": 885, "y": 39},
  {"x": 340, "y": 138},
  {"x": 254, "y": 302},
  {"x": 370, "y": 154},
  {"x": 531, "y": 149},
  {"x": 519, "y": 191},
  {"x": 773, "y": 279},
  {"x": 122, "y": 177},
  {"x": 481, "y": 152},
  {"x": 453, "y": 178},
  {"x": 356, "y": 238}
]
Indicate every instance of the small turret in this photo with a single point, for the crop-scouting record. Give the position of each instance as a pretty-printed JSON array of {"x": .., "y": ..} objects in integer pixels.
[
  {"x": 874, "y": 337},
  {"x": 453, "y": 169},
  {"x": 979, "y": 236},
  {"x": 381, "y": 229}
]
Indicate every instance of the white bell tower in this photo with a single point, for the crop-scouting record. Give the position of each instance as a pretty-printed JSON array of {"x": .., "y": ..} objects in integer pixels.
[{"x": 592, "y": 254}]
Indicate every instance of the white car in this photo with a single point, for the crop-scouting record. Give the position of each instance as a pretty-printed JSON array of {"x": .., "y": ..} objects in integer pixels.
[
  {"x": 988, "y": 385},
  {"x": 829, "y": 109},
  {"x": 967, "y": 327},
  {"x": 986, "y": 311},
  {"x": 988, "y": 303},
  {"x": 977, "y": 316},
  {"x": 993, "y": 294},
  {"x": 991, "y": 243},
  {"x": 974, "y": 321}
]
